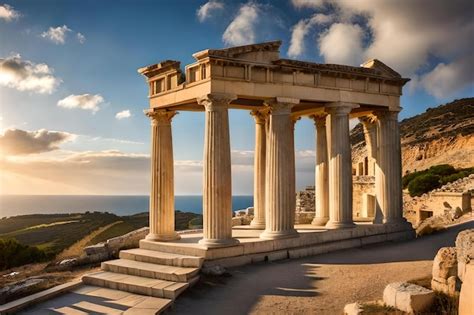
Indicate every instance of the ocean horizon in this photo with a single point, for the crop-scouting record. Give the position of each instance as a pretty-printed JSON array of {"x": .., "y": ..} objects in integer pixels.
[{"x": 13, "y": 205}]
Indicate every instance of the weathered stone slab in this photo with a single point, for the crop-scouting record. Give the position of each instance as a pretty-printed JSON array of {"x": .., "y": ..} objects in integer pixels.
[
  {"x": 464, "y": 250},
  {"x": 445, "y": 269},
  {"x": 466, "y": 298},
  {"x": 407, "y": 297},
  {"x": 353, "y": 309}
]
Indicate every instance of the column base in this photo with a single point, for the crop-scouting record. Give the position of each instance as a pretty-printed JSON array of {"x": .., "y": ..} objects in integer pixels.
[
  {"x": 320, "y": 221},
  {"x": 340, "y": 225},
  {"x": 218, "y": 242},
  {"x": 402, "y": 222},
  {"x": 163, "y": 237},
  {"x": 275, "y": 235},
  {"x": 257, "y": 224}
]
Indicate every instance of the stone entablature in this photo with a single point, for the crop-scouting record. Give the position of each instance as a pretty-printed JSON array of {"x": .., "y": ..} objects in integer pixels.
[{"x": 262, "y": 73}]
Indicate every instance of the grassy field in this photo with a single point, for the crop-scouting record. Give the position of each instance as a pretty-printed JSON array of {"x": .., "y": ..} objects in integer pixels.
[{"x": 56, "y": 233}]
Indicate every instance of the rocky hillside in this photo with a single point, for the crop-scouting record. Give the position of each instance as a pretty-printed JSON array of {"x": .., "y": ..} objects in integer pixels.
[{"x": 440, "y": 135}]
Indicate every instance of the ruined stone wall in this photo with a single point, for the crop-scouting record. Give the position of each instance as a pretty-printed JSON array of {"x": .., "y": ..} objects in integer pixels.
[
  {"x": 361, "y": 185},
  {"x": 305, "y": 205},
  {"x": 444, "y": 199}
]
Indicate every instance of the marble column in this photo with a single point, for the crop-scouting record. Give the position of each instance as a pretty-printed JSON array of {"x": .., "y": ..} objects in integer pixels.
[
  {"x": 389, "y": 168},
  {"x": 322, "y": 176},
  {"x": 162, "y": 177},
  {"x": 260, "y": 117},
  {"x": 279, "y": 210},
  {"x": 217, "y": 182},
  {"x": 369, "y": 126},
  {"x": 340, "y": 166}
]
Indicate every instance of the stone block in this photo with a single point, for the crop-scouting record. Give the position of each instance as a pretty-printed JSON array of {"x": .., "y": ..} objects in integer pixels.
[
  {"x": 279, "y": 255},
  {"x": 100, "y": 248},
  {"x": 257, "y": 247},
  {"x": 445, "y": 264},
  {"x": 464, "y": 250},
  {"x": 447, "y": 286},
  {"x": 236, "y": 221},
  {"x": 223, "y": 252},
  {"x": 373, "y": 239},
  {"x": 466, "y": 300},
  {"x": 407, "y": 297},
  {"x": 353, "y": 309}
]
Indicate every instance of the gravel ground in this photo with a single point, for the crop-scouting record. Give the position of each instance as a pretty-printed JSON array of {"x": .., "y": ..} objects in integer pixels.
[{"x": 320, "y": 284}]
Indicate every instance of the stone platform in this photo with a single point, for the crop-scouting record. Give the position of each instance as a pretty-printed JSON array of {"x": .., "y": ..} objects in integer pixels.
[{"x": 311, "y": 241}]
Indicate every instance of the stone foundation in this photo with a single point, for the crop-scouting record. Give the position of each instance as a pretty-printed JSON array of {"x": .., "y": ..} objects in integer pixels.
[{"x": 311, "y": 241}]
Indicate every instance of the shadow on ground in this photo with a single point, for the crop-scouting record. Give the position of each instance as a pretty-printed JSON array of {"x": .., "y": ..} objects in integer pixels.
[{"x": 299, "y": 278}]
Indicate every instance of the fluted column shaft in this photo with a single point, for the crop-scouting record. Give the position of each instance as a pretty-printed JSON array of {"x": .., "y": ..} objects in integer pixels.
[
  {"x": 389, "y": 171},
  {"x": 162, "y": 226},
  {"x": 293, "y": 170},
  {"x": 217, "y": 182},
  {"x": 340, "y": 166},
  {"x": 279, "y": 213},
  {"x": 369, "y": 126},
  {"x": 258, "y": 221},
  {"x": 322, "y": 173}
]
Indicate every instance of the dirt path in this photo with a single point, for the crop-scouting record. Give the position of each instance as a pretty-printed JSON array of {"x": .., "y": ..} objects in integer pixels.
[
  {"x": 76, "y": 248},
  {"x": 317, "y": 285}
]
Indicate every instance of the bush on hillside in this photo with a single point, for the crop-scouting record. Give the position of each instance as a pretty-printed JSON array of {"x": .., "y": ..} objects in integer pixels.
[
  {"x": 423, "y": 184},
  {"x": 411, "y": 176},
  {"x": 446, "y": 173},
  {"x": 442, "y": 170},
  {"x": 13, "y": 254}
]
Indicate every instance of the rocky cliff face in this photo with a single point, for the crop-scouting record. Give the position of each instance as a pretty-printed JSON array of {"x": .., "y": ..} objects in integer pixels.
[{"x": 440, "y": 135}]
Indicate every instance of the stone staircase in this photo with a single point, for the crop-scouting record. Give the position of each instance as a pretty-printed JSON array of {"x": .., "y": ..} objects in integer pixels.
[{"x": 148, "y": 272}]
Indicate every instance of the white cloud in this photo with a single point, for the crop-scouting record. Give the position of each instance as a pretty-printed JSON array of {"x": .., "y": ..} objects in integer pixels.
[
  {"x": 19, "y": 142},
  {"x": 84, "y": 101},
  {"x": 57, "y": 34},
  {"x": 25, "y": 75},
  {"x": 299, "y": 4},
  {"x": 241, "y": 30},
  {"x": 81, "y": 38},
  {"x": 445, "y": 79},
  {"x": 300, "y": 31},
  {"x": 206, "y": 10},
  {"x": 123, "y": 114},
  {"x": 7, "y": 13},
  {"x": 342, "y": 43},
  {"x": 405, "y": 37}
]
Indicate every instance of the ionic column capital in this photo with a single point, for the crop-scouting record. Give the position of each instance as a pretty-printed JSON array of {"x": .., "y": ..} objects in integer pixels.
[
  {"x": 160, "y": 117},
  {"x": 260, "y": 115},
  {"x": 340, "y": 108},
  {"x": 281, "y": 105},
  {"x": 216, "y": 101}
]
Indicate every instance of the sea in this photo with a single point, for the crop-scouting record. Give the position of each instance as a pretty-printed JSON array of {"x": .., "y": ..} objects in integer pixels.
[{"x": 13, "y": 205}]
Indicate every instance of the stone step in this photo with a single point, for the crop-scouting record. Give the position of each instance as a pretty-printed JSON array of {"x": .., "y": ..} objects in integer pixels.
[
  {"x": 138, "y": 285},
  {"x": 155, "y": 271},
  {"x": 161, "y": 258}
]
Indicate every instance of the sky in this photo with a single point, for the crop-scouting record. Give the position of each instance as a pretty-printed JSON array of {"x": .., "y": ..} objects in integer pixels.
[{"x": 71, "y": 100}]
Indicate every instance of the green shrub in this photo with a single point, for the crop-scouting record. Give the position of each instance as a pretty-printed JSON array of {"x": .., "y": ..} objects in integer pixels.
[
  {"x": 453, "y": 177},
  {"x": 442, "y": 170},
  {"x": 14, "y": 254},
  {"x": 195, "y": 222},
  {"x": 411, "y": 176},
  {"x": 423, "y": 184}
]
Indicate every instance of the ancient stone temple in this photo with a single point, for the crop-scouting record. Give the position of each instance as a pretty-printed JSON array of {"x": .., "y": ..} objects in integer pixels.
[{"x": 277, "y": 93}]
